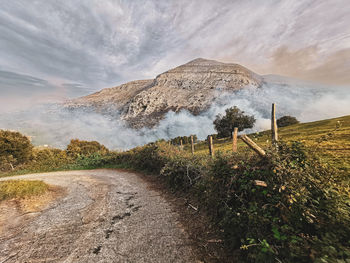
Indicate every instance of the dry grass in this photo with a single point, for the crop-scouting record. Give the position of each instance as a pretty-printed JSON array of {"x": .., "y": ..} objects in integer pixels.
[{"x": 21, "y": 189}]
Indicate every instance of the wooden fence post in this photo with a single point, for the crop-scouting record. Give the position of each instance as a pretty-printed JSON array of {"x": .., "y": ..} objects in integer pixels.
[
  {"x": 274, "y": 133},
  {"x": 192, "y": 144},
  {"x": 253, "y": 145},
  {"x": 181, "y": 144},
  {"x": 234, "y": 139},
  {"x": 210, "y": 144}
]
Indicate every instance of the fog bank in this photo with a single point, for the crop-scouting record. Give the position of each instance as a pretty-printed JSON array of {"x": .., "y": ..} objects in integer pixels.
[{"x": 54, "y": 125}]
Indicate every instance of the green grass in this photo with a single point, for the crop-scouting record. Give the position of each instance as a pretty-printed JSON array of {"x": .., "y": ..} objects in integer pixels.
[
  {"x": 21, "y": 189},
  {"x": 332, "y": 145}
]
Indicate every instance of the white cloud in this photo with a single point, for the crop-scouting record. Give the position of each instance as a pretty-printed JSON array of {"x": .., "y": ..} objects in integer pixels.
[{"x": 102, "y": 43}]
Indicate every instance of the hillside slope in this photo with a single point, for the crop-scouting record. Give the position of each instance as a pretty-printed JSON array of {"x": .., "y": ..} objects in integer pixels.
[
  {"x": 192, "y": 86},
  {"x": 332, "y": 143}
]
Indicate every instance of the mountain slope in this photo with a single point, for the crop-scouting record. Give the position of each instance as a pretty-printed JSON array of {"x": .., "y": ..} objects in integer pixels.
[{"x": 192, "y": 86}]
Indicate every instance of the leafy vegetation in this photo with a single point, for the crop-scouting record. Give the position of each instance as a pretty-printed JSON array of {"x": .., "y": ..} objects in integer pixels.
[
  {"x": 20, "y": 189},
  {"x": 234, "y": 117},
  {"x": 78, "y": 148},
  {"x": 286, "y": 121},
  {"x": 288, "y": 207},
  {"x": 15, "y": 149},
  {"x": 78, "y": 155}
]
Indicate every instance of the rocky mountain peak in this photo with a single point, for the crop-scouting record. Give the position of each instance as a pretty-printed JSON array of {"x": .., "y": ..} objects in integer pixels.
[
  {"x": 202, "y": 62},
  {"x": 192, "y": 86}
]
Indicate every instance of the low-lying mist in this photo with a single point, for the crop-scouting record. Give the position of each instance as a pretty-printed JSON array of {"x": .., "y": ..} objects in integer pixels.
[{"x": 53, "y": 125}]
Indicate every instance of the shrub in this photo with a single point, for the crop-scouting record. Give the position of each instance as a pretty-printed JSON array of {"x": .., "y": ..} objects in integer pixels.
[
  {"x": 78, "y": 148},
  {"x": 182, "y": 172},
  {"x": 150, "y": 158},
  {"x": 48, "y": 159},
  {"x": 91, "y": 161},
  {"x": 234, "y": 117},
  {"x": 300, "y": 213},
  {"x": 15, "y": 149},
  {"x": 286, "y": 121},
  {"x": 185, "y": 140}
]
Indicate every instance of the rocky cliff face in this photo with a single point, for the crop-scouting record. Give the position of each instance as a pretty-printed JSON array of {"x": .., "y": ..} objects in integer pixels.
[{"x": 192, "y": 86}]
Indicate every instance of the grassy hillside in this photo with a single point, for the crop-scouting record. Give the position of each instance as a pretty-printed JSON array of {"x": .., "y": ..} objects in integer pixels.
[{"x": 329, "y": 138}]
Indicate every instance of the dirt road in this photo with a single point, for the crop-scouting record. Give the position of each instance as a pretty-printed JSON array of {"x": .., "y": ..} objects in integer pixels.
[{"x": 105, "y": 216}]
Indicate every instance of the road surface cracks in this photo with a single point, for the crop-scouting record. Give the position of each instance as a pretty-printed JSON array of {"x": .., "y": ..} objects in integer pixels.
[{"x": 105, "y": 216}]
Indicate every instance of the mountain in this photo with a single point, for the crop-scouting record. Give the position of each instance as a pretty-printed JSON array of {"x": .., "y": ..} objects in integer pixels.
[{"x": 192, "y": 86}]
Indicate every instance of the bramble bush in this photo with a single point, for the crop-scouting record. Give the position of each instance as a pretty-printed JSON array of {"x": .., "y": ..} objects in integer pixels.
[{"x": 301, "y": 215}]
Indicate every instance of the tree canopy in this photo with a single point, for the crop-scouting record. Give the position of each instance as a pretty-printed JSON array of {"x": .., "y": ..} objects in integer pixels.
[
  {"x": 77, "y": 148},
  {"x": 234, "y": 117},
  {"x": 15, "y": 148},
  {"x": 286, "y": 121},
  {"x": 15, "y": 144}
]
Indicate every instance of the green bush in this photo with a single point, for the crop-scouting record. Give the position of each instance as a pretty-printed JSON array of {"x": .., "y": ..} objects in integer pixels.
[
  {"x": 151, "y": 157},
  {"x": 78, "y": 148},
  {"x": 301, "y": 215},
  {"x": 79, "y": 155},
  {"x": 286, "y": 121},
  {"x": 15, "y": 149},
  {"x": 182, "y": 172},
  {"x": 48, "y": 158}
]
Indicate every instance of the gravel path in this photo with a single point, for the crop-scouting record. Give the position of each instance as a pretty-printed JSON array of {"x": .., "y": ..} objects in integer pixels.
[{"x": 106, "y": 216}]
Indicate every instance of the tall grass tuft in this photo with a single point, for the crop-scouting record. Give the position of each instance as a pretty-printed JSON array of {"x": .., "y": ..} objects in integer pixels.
[{"x": 21, "y": 189}]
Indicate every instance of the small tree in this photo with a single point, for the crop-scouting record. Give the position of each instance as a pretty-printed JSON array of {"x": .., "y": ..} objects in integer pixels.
[
  {"x": 286, "y": 121},
  {"x": 234, "y": 117},
  {"x": 15, "y": 149},
  {"x": 15, "y": 144}
]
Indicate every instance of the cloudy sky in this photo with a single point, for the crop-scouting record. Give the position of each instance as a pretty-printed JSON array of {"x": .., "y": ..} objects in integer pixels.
[{"x": 56, "y": 49}]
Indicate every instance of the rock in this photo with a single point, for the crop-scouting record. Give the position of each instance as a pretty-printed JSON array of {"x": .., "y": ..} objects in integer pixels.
[{"x": 192, "y": 86}]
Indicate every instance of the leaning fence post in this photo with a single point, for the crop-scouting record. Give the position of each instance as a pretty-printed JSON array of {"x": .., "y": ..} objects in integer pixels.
[
  {"x": 192, "y": 144},
  {"x": 253, "y": 145},
  {"x": 234, "y": 139},
  {"x": 274, "y": 133},
  {"x": 210, "y": 144}
]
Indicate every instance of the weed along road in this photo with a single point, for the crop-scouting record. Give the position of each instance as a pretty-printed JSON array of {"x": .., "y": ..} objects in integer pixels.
[{"x": 103, "y": 216}]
